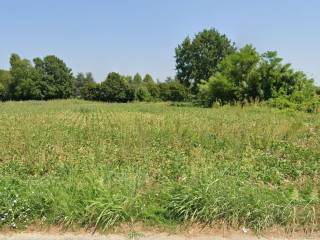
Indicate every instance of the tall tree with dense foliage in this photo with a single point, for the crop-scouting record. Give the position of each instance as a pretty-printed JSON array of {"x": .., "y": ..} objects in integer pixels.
[
  {"x": 49, "y": 78},
  {"x": 116, "y": 89},
  {"x": 56, "y": 77},
  {"x": 198, "y": 59},
  {"x": 25, "y": 82}
]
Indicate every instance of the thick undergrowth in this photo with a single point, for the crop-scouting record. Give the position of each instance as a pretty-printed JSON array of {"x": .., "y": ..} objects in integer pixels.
[{"x": 88, "y": 164}]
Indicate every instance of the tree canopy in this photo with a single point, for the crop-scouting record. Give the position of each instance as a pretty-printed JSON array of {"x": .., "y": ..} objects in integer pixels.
[
  {"x": 246, "y": 76},
  {"x": 198, "y": 59},
  {"x": 48, "y": 78}
]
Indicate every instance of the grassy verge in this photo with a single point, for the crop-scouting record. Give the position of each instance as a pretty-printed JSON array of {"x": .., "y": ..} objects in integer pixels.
[{"x": 89, "y": 164}]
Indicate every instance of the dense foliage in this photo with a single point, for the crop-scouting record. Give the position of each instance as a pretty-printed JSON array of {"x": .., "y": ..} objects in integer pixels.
[
  {"x": 209, "y": 70},
  {"x": 173, "y": 90},
  {"x": 198, "y": 59},
  {"x": 247, "y": 76},
  {"x": 48, "y": 78},
  {"x": 5, "y": 78}
]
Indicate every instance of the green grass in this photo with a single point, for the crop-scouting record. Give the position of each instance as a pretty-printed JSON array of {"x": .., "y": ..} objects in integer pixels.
[{"x": 87, "y": 164}]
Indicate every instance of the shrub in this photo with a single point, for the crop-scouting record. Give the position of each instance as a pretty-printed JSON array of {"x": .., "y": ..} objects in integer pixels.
[
  {"x": 142, "y": 94},
  {"x": 292, "y": 102},
  {"x": 218, "y": 88},
  {"x": 173, "y": 90}
]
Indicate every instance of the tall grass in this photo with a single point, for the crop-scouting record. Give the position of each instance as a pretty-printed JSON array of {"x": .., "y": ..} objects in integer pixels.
[{"x": 87, "y": 164}]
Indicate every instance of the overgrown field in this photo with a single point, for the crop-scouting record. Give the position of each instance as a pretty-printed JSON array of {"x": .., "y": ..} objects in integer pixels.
[{"x": 88, "y": 164}]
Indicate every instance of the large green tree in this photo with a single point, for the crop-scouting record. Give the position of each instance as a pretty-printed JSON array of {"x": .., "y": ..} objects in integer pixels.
[
  {"x": 25, "y": 82},
  {"x": 49, "y": 78},
  {"x": 56, "y": 77},
  {"x": 198, "y": 59},
  {"x": 116, "y": 89}
]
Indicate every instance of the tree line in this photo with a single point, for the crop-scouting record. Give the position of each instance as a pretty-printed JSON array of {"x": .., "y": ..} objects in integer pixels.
[
  {"x": 50, "y": 78},
  {"x": 210, "y": 69}
]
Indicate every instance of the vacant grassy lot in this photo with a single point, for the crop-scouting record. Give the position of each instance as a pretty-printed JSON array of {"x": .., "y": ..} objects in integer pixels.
[{"x": 90, "y": 164}]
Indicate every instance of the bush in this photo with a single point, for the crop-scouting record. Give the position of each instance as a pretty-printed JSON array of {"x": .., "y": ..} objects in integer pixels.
[
  {"x": 154, "y": 90},
  {"x": 142, "y": 94},
  {"x": 281, "y": 103},
  {"x": 289, "y": 102},
  {"x": 173, "y": 90},
  {"x": 218, "y": 88}
]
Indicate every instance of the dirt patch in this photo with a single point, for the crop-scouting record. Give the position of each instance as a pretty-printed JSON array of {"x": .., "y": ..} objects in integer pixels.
[{"x": 149, "y": 233}]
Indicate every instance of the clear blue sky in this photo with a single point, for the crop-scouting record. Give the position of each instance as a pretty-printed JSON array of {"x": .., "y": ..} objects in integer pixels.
[{"x": 130, "y": 36}]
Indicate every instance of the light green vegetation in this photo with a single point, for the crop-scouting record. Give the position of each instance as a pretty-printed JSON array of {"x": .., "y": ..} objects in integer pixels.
[{"x": 88, "y": 164}]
